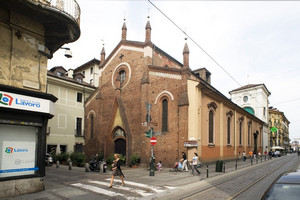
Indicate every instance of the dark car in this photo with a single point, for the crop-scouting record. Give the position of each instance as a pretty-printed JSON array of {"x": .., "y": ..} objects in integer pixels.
[{"x": 287, "y": 187}]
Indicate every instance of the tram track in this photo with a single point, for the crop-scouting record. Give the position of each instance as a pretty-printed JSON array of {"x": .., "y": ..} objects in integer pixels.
[{"x": 228, "y": 181}]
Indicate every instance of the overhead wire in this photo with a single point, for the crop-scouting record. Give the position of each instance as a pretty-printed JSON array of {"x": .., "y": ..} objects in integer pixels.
[{"x": 200, "y": 48}]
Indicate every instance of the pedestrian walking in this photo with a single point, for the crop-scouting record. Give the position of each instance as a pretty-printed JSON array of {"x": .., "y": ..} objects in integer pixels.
[
  {"x": 116, "y": 167},
  {"x": 194, "y": 164},
  {"x": 244, "y": 156},
  {"x": 159, "y": 165},
  {"x": 184, "y": 164}
]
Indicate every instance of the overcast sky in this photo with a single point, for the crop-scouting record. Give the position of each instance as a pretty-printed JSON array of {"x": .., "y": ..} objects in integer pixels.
[{"x": 255, "y": 42}]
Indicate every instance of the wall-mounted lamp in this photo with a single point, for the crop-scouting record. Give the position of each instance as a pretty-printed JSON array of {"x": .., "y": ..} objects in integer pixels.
[{"x": 68, "y": 52}]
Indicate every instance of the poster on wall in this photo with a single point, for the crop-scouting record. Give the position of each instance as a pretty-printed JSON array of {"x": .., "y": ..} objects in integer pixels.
[{"x": 17, "y": 150}]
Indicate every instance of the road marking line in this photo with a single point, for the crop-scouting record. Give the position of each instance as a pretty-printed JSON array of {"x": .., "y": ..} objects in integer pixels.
[
  {"x": 97, "y": 190},
  {"x": 155, "y": 189},
  {"x": 140, "y": 192}
]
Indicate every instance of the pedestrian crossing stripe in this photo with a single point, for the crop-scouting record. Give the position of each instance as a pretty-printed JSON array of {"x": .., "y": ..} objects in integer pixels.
[
  {"x": 125, "y": 188},
  {"x": 97, "y": 190},
  {"x": 154, "y": 188},
  {"x": 109, "y": 192}
]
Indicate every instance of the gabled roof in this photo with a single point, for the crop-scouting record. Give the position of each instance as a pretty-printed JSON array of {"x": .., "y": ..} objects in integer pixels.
[
  {"x": 87, "y": 64},
  {"x": 250, "y": 86},
  {"x": 141, "y": 45}
]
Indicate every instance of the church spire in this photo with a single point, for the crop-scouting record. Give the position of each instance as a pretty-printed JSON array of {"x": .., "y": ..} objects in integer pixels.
[
  {"x": 186, "y": 53},
  {"x": 124, "y": 30},
  {"x": 148, "y": 31}
]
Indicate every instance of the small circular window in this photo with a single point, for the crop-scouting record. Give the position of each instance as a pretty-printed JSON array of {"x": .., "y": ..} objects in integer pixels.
[{"x": 245, "y": 98}]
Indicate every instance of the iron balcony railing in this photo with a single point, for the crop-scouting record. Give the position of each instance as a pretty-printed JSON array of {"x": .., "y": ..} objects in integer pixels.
[{"x": 68, "y": 7}]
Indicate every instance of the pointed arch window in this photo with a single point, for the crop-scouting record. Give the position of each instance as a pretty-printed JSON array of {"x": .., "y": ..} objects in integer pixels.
[
  {"x": 165, "y": 115},
  {"x": 240, "y": 132},
  {"x": 122, "y": 74},
  {"x": 211, "y": 127},
  {"x": 228, "y": 129},
  {"x": 92, "y": 126}
]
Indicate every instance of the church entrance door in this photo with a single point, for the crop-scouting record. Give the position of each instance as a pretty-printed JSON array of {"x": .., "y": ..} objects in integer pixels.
[{"x": 120, "y": 146}]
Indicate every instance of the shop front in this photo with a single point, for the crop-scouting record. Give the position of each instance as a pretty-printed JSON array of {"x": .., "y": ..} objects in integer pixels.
[{"x": 24, "y": 116}]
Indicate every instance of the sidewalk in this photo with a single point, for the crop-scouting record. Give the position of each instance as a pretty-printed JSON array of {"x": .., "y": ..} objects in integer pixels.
[{"x": 62, "y": 177}]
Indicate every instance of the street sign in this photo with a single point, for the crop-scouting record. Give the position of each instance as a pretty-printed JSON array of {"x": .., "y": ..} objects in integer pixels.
[
  {"x": 273, "y": 129},
  {"x": 153, "y": 141}
]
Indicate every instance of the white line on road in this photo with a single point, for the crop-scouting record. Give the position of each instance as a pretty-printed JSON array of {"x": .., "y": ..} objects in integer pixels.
[
  {"x": 155, "y": 189},
  {"x": 97, "y": 190},
  {"x": 140, "y": 192}
]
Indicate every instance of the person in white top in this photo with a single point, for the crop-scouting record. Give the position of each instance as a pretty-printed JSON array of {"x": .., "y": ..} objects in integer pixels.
[{"x": 194, "y": 164}]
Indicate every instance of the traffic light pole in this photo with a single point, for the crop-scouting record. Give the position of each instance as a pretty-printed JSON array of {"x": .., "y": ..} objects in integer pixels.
[{"x": 148, "y": 118}]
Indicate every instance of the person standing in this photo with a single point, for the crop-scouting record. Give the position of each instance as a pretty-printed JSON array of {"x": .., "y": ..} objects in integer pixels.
[
  {"x": 244, "y": 156},
  {"x": 184, "y": 162},
  {"x": 116, "y": 167},
  {"x": 195, "y": 162}
]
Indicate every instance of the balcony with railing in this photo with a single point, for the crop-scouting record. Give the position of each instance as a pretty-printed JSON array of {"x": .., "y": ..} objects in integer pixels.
[{"x": 60, "y": 18}]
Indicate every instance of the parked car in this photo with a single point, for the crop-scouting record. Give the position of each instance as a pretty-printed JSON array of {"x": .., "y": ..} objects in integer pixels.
[{"x": 286, "y": 187}]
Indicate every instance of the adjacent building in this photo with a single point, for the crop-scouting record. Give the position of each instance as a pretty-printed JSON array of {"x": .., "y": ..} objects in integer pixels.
[
  {"x": 30, "y": 32},
  {"x": 254, "y": 99},
  {"x": 90, "y": 71},
  {"x": 143, "y": 88},
  {"x": 280, "y": 137},
  {"x": 65, "y": 131}
]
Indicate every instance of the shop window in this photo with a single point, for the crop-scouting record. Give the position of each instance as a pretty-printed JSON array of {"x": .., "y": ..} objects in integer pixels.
[
  {"x": 240, "y": 132},
  {"x": 228, "y": 129},
  {"x": 249, "y": 135}
]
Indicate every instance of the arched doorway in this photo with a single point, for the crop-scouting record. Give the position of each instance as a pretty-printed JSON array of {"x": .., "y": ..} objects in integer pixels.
[
  {"x": 120, "y": 141},
  {"x": 120, "y": 146},
  {"x": 255, "y": 141}
]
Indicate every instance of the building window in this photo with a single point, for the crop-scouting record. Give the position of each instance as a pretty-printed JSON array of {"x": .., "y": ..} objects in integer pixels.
[
  {"x": 79, "y": 97},
  {"x": 211, "y": 127},
  {"x": 122, "y": 75},
  {"x": 240, "y": 132},
  {"x": 83, "y": 73},
  {"x": 78, "y": 126},
  {"x": 249, "y": 135},
  {"x": 228, "y": 130},
  {"x": 165, "y": 115},
  {"x": 91, "y": 81},
  {"x": 264, "y": 111},
  {"x": 79, "y": 80},
  {"x": 92, "y": 126},
  {"x": 245, "y": 99},
  {"x": 59, "y": 74},
  {"x": 91, "y": 70}
]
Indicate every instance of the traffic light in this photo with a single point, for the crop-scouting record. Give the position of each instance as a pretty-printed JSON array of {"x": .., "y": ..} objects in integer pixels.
[{"x": 149, "y": 133}]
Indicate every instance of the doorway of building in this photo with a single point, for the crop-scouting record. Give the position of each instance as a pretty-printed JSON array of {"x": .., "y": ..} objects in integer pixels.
[
  {"x": 120, "y": 146},
  {"x": 255, "y": 142}
]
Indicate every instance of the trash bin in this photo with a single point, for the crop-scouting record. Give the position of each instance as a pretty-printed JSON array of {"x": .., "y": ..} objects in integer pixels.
[{"x": 219, "y": 166}]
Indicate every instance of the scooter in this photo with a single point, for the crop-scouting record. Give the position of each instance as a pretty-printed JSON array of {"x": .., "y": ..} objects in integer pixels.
[
  {"x": 95, "y": 165},
  {"x": 48, "y": 160}
]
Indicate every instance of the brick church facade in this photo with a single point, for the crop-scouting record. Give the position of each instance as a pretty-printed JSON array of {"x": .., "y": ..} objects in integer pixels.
[{"x": 187, "y": 113}]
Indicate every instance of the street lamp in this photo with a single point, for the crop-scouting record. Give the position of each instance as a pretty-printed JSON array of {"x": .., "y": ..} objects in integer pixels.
[{"x": 68, "y": 52}]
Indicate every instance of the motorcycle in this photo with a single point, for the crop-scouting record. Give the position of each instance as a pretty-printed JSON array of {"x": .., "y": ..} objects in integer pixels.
[
  {"x": 95, "y": 165},
  {"x": 48, "y": 160}
]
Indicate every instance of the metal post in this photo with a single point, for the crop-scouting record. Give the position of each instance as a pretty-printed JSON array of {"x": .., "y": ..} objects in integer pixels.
[
  {"x": 206, "y": 171},
  {"x": 251, "y": 161},
  {"x": 70, "y": 165},
  {"x": 224, "y": 167},
  {"x": 261, "y": 159},
  {"x": 57, "y": 164},
  {"x": 235, "y": 165},
  {"x": 256, "y": 160},
  {"x": 152, "y": 167}
]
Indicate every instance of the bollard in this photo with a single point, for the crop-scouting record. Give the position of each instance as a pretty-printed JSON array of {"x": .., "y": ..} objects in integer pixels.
[
  {"x": 256, "y": 160},
  {"x": 70, "y": 165},
  {"x": 101, "y": 168},
  {"x": 206, "y": 171},
  {"x": 251, "y": 161},
  {"x": 224, "y": 167},
  {"x": 57, "y": 164},
  {"x": 265, "y": 158},
  {"x": 235, "y": 165},
  {"x": 261, "y": 159},
  {"x": 87, "y": 167}
]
